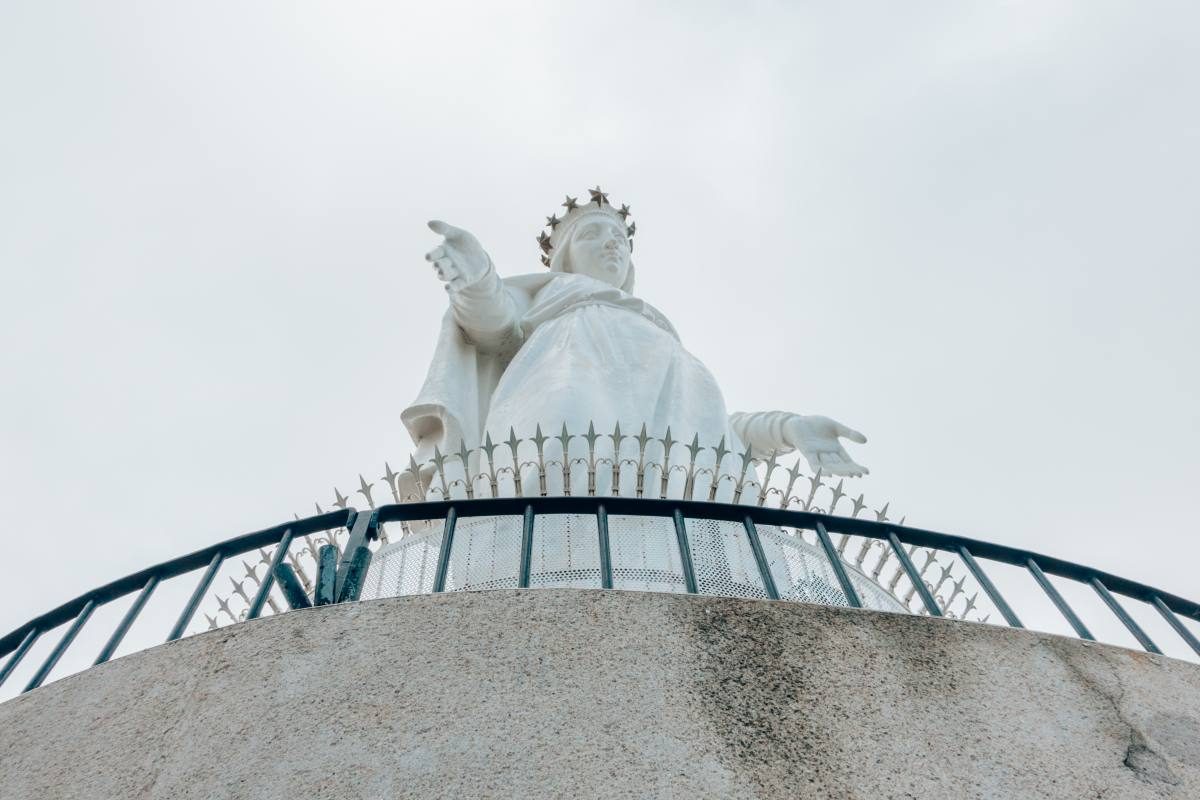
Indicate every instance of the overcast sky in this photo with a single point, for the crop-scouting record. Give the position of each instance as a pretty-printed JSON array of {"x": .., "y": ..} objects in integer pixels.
[{"x": 966, "y": 229}]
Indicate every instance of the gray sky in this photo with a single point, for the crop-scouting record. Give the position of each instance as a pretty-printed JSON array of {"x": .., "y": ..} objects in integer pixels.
[{"x": 967, "y": 229}]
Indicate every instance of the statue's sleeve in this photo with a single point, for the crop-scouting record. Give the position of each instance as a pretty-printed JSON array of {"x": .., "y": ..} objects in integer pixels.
[
  {"x": 487, "y": 313},
  {"x": 762, "y": 431}
]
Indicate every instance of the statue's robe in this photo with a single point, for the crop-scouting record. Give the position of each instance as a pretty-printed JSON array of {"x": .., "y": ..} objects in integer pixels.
[{"x": 561, "y": 348}]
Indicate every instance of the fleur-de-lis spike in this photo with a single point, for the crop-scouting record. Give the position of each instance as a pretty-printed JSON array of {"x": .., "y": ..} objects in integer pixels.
[
  {"x": 642, "y": 438},
  {"x": 564, "y": 439},
  {"x": 838, "y": 494},
  {"x": 339, "y": 500},
  {"x": 513, "y": 444},
  {"x": 665, "y": 476},
  {"x": 365, "y": 490},
  {"x": 859, "y": 505},
  {"x": 238, "y": 590},
  {"x": 667, "y": 443},
  {"x": 250, "y": 573},
  {"x": 464, "y": 456},
  {"x": 591, "y": 436},
  {"x": 570, "y": 204},
  {"x": 212, "y": 622},
  {"x": 617, "y": 436},
  {"x": 793, "y": 473},
  {"x": 318, "y": 507},
  {"x": 814, "y": 483},
  {"x": 439, "y": 463},
  {"x": 689, "y": 484},
  {"x": 881, "y": 514},
  {"x": 539, "y": 440},
  {"x": 263, "y": 556},
  {"x": 415, "y": 471},
  {"x": 391, "y": 477},
  {"x": 721, "y": 453},
  {"x": 623, "y": 212},
  {"x": 553, "y": 221},
  {"x": 488, "y": 448},
  {"x": 970, "y": 604},
  {"x": 223, "y": 605}
]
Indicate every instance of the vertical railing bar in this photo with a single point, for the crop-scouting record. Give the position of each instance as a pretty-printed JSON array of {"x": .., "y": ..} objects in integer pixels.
[
  {"x": 526, "y": 561},
  {"x": 914, "y": 577},
  {"x": 839, "y": 569},
  {"x": 606, "y": 574},
  {"x": 989, "y": 588},
  {"x": 114, "y": 641},
  {"x": 185, "y": 618},
  {"x": 760, "y": 556},
  {"x": 1058, "y": 600},
  {"x": 18, "y": 654},
  {"x": 1174, "y": 622},
  {"x": 685, "y": 553},
  {"x": 1147, "y": 644},
  {"x": 439, "y": 580},
  {"x": 268, "y": 580},
  {"x": 60, "y": 648}
]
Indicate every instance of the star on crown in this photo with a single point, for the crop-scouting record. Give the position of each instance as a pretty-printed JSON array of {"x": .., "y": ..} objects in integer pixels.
[{"x": 559, "y": 227}]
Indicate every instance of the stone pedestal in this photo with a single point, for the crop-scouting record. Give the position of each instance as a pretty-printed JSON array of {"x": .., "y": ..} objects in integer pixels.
[{"x": 581, "y": 693}]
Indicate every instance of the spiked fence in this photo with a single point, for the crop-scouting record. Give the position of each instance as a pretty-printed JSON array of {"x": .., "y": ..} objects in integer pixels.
[{"x": 323, "y": 558}]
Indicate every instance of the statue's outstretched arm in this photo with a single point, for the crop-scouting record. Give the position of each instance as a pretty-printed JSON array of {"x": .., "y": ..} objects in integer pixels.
[
  {"x": 817, "y": 438},
  {"x": 482, "y": 305}
]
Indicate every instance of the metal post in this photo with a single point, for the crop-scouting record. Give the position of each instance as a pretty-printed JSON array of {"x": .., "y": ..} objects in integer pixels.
[
  {"x": 61, "y": 647},
  {"x": 1123, "y": 615},
  {"x": 760, "y": 557},
  {"x": 989, "y": 588},
  {"x": 1058, "y": 600},
  {"x": 914, "y": 577},
  {"x": 363, "y": 528},
  {"x": 443, "y": 565},
  {"x": 526, "y": 565},
  {"x": 685, "y": 553},
  {"x": 839, "y": 569},
  {"x": 352, "y": 588},
  {"x": 327, "y": 558},
  {"x": 1170, "y": 617},
  {"x": 268, "y": 580},
  {"x": 606, "y": 574},
  {"x": 185, "y": 618},
  {"x": 18, "y": 654},
  {"x": 115, "y": 640}
]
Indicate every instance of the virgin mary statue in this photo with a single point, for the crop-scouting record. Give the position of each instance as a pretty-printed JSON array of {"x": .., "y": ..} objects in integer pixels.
[{"x": 575, "y": 346}]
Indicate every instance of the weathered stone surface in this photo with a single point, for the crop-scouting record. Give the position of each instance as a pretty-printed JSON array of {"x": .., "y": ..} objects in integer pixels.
[{"x": 570, "y": 693}]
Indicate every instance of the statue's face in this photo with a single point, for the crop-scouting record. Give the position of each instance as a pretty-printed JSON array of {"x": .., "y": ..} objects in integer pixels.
[{"x": 599, "y": 249}]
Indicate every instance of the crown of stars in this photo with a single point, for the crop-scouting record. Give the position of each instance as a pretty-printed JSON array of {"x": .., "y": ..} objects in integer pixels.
[{"x": 597, "y": 202}]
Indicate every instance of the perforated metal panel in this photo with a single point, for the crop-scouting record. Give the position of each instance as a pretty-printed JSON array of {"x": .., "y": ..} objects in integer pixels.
[
  {"x": 485, "y": 553},
  {"x": 723, "y": 560},
  {"x": 405, "y": 567},
  {"x": 802, "y": 572},
  {"x": 645, "y": 554},
  {"x": 566, "y": 551}
]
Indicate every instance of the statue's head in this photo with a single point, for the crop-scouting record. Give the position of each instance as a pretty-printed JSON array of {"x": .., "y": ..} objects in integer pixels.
[{"x": 592, "y": 239}]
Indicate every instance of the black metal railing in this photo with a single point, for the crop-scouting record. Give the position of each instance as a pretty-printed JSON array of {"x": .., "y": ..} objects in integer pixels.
[{"x": 341, "y": 570}]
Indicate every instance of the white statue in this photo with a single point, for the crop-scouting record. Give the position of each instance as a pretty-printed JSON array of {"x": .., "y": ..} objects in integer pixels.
[{"x": 575, "y": 346}]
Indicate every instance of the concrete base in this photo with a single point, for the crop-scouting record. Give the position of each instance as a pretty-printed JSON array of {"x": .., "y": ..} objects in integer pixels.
[{"x": 578, "y": 693}]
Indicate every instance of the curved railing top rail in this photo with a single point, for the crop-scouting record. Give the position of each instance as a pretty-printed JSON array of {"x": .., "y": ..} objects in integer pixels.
[{"x": 366, "y": 524}]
